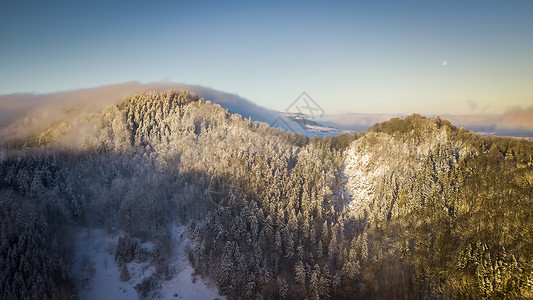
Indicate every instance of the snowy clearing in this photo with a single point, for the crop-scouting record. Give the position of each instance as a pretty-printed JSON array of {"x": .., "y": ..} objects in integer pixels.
[{"x": 97, "y": 275}]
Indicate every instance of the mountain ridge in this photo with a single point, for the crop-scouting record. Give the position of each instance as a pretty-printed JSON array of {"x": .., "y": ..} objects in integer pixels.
[
  {"x": 34, "y": 110},
  {"x": 412, "y": 207},
  {"x": 300, "y": 124}
]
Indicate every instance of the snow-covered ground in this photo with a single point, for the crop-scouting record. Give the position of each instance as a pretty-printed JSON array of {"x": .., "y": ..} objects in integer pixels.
[
  {"x": 97, "y": 275},
  {"x": 360, "y": 175},
  {"x": 184, "y": 284}
]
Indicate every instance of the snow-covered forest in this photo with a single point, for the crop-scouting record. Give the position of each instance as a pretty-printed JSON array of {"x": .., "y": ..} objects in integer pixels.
[{"x": 412, "y": 208}]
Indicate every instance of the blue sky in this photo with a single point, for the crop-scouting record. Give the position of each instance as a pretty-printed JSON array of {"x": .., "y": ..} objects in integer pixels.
[{"x": 367, "y": 57}]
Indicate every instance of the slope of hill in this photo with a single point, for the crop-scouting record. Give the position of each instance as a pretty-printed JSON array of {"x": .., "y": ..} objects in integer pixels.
[{"x": 411, "y": 208}]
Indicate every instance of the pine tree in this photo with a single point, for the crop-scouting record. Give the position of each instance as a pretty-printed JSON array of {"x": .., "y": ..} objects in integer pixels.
[
  {"x": 283, "y": 288},
  {"x": 124, "y": 273},
  {"x": 316, "y": 291},
  {"x": 300, "y": 276}
]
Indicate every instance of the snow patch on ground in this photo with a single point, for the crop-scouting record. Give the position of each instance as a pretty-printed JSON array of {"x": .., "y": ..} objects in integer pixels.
[
  {"x": 185, "y": 284},
  {"x": 359, "y": 182},
  {"x": 97, "y": 276},
  {"x": 360, "y": 173}
]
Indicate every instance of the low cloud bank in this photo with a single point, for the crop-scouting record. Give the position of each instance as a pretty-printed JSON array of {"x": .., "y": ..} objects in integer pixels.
[
  {"x": 517, "y": 122},
  {"x": 518, "y": 118}
]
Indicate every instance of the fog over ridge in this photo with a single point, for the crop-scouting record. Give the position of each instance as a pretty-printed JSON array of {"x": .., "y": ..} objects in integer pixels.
[{"x": 23, "y": 114}]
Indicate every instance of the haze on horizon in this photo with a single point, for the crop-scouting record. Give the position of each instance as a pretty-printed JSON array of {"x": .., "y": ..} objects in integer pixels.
[{"x": 414, "y": 57}]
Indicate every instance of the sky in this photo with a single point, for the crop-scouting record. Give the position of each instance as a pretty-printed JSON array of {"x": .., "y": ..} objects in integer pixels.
[{"x": 429, "y": 57}]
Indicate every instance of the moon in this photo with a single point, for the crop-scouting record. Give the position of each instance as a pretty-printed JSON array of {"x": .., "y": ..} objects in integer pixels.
[{"x": 444, "y": 62}]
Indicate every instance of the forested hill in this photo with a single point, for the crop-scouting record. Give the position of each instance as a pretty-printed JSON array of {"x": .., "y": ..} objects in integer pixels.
[{"x": 412, "y": 208}]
